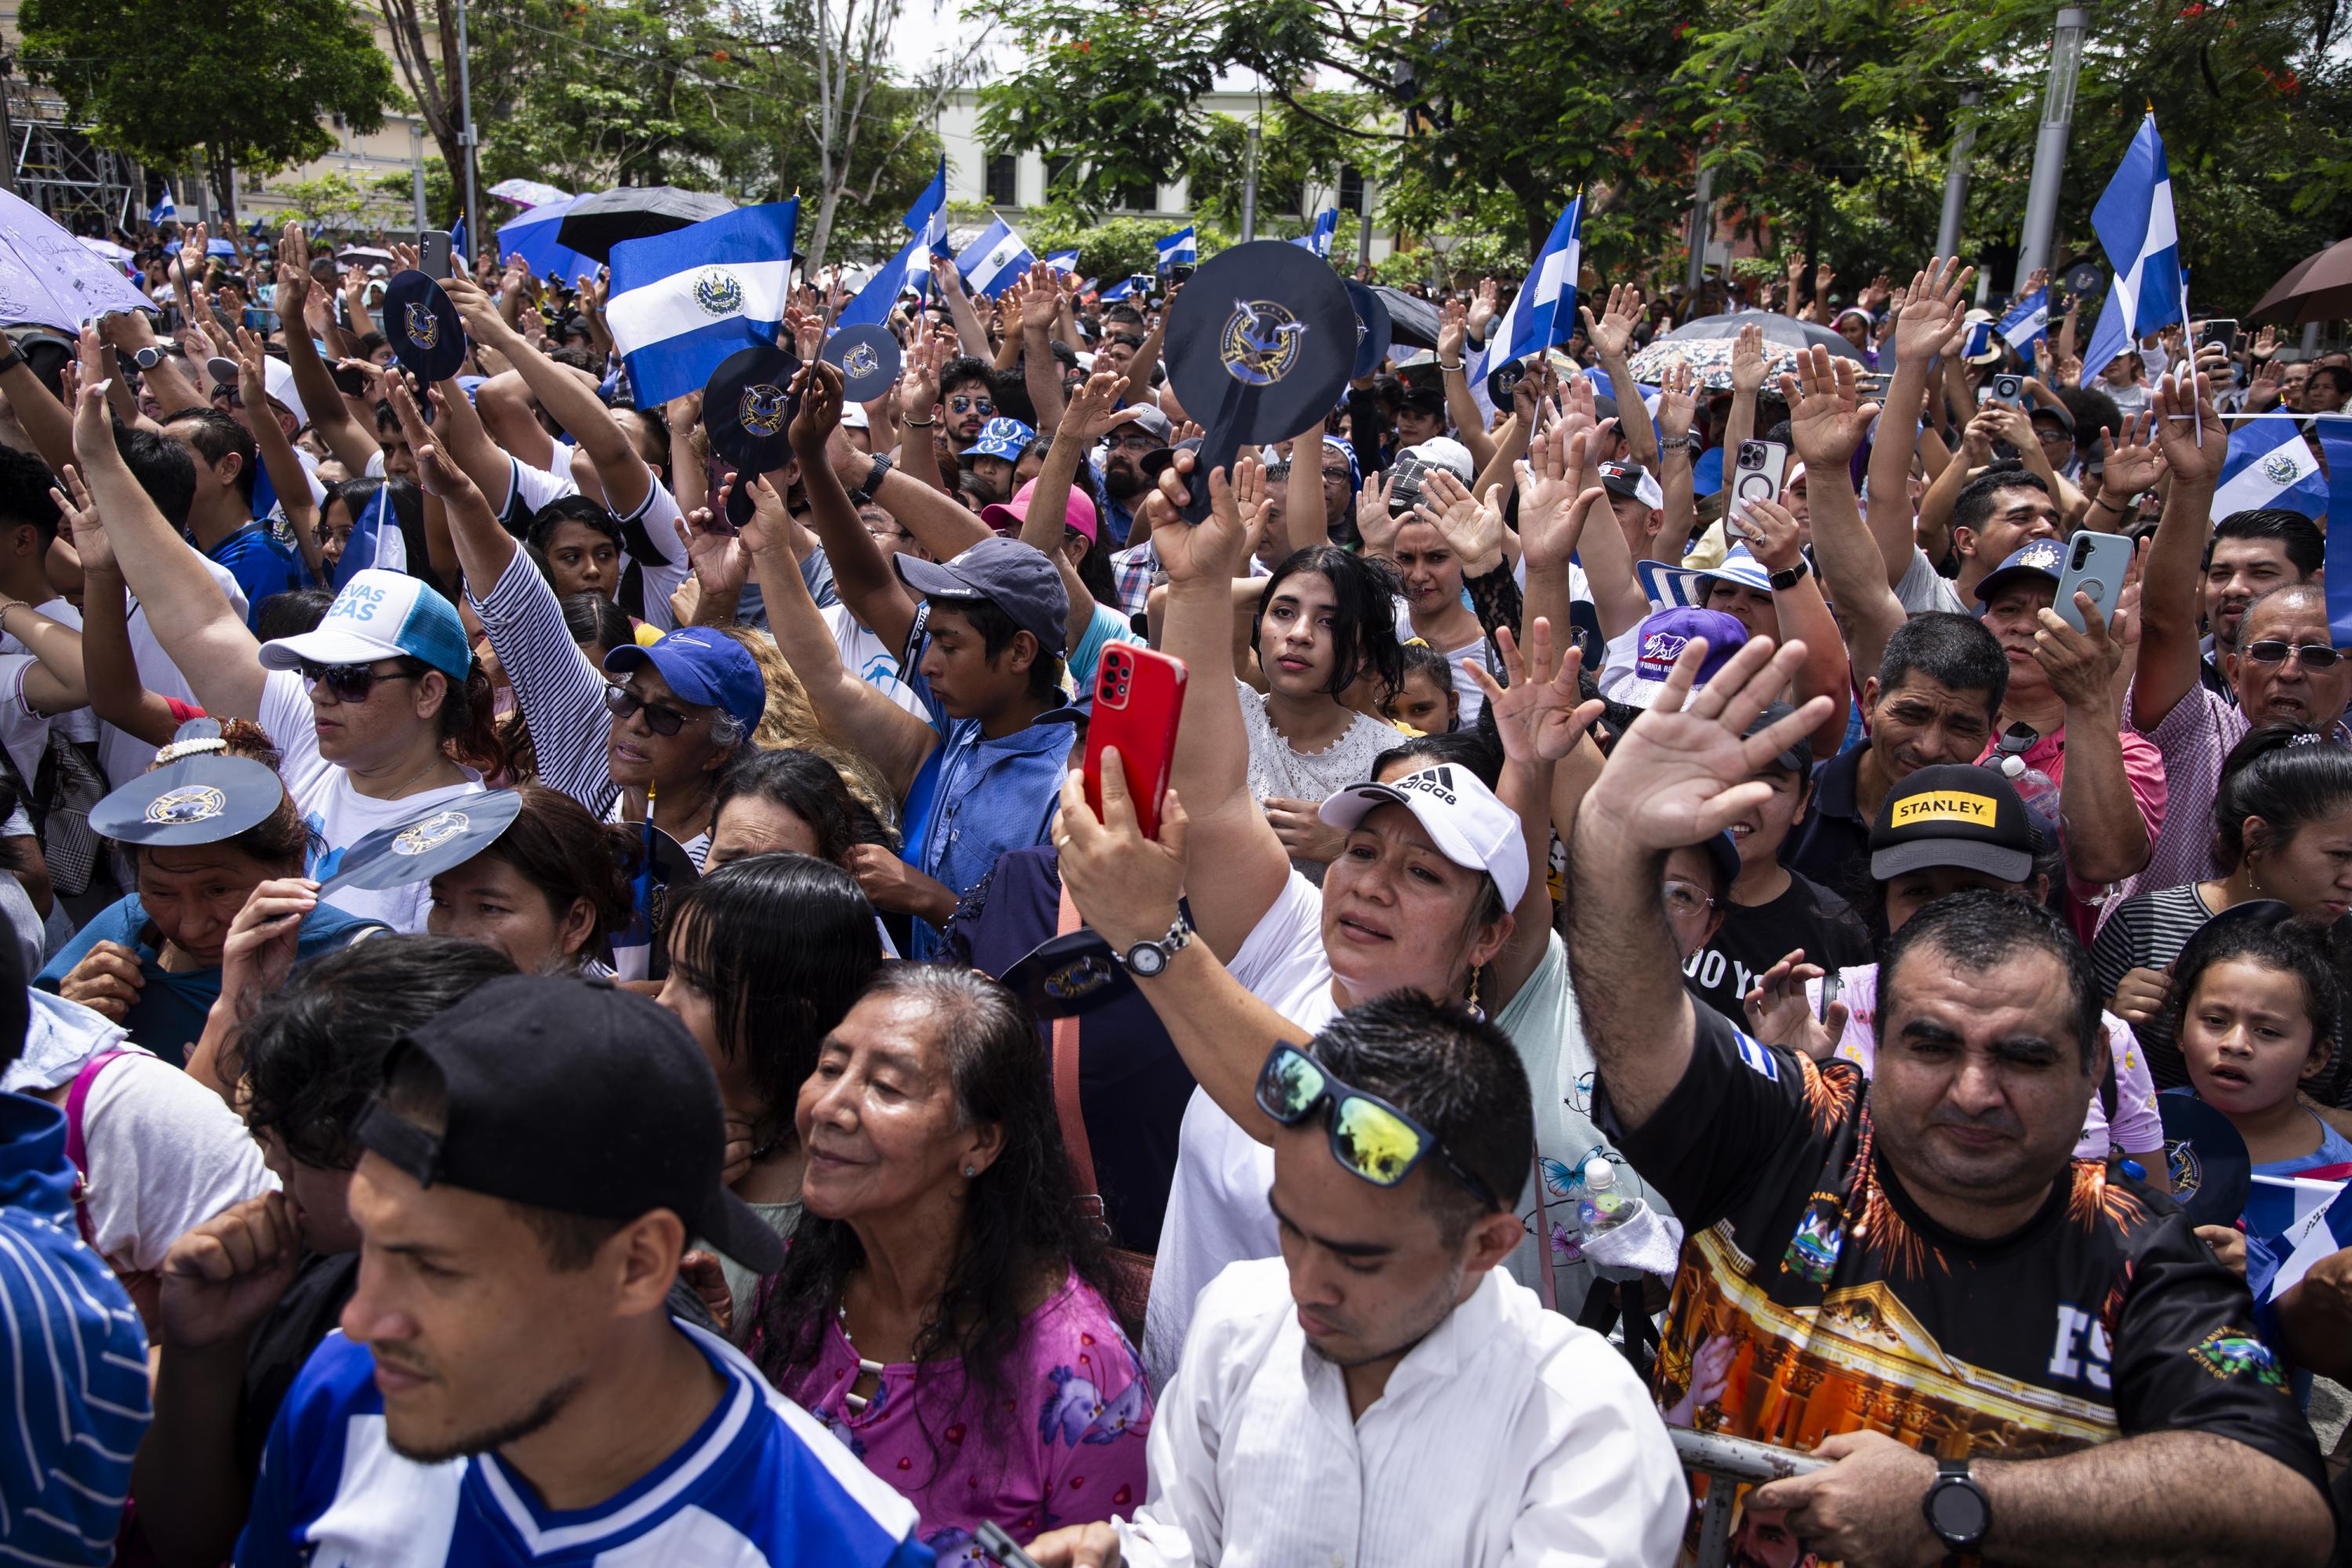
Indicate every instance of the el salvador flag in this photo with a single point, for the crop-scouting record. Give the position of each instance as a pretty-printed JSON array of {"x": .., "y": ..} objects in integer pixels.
[
  {"x": 460, "y": 242},
  {"x": 2026, "y": 320},
  {"x": 1118, "y": 290},
  {"x": 1064, "y": 261},
  {"x": 2136, "y": 227},
  {"x": 376, "y": 541},
  {"x": 1980, "y": 338},
  {"x": 2270, "y": 464},
  {"x": 2292, "y": 1222},
  {"x": 683, "y": 301},
  {"x": 1327, "y": 224},
  {"x": 1543, "y": 310},
  {"x": 1181, "y": 249},
  {"x": 903, "y": 271},
  {"x": 165, "y": 210},
  {"x": 992, "y": 262},
  {"x": 927, "y": 218},
  {"x": 2109, "y": 337}
]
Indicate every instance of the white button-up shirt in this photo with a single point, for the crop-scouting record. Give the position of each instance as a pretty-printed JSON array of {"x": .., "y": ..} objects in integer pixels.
[{"x": 1509, "y": 1436}]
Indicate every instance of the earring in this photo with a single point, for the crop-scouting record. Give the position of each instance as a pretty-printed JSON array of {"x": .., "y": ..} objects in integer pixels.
[{"x": 970, "y": 1171}]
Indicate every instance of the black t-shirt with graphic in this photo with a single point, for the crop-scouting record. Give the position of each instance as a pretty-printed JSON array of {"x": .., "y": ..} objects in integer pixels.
[
  {"x": 1753, "y": 938},
  {"x": 1845, "y": 1308}
]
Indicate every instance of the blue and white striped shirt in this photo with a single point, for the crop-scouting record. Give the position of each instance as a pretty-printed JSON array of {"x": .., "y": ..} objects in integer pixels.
[{"x": 73, "y": 1373}]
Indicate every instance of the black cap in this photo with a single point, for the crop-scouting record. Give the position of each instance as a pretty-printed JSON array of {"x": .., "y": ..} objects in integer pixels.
[
  {"x": 422, "y": 325},
  {"x": 576, "y": 1096},
  {"x": 1015, "y": 578},
  {"x": 1797, "y": 756},
  {"x": 1953, "y": 814}
]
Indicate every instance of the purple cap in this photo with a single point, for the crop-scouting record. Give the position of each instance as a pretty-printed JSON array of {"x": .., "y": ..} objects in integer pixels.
[{"x": 1659, "y": 641}]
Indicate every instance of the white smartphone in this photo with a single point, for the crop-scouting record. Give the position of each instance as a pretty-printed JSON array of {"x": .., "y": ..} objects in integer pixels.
[
  {"x": 2095, "y": 564},
  {"x": 1756, "y": 470}
]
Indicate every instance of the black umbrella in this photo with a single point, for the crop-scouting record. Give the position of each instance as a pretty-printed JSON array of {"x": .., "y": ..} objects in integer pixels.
[
  {"x": 594, "y": 224},
  {"x": 1412, "y": 320}
]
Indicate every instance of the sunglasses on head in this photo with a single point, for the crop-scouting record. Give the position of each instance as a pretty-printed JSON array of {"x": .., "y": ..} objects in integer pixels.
[
  {"x": 1369, "y": 1136},
  {"x": 620, "y": 701},
  {"x": 348, "y": 682},
  {"x": 962, "y": 405},
  {"x": 2313, "y": 655}
]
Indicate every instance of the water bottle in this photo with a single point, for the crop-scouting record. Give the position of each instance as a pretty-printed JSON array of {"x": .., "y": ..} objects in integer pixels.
[
  {"x": 1602, "y": 1209},
  {"x": 2037, "y": 789}
]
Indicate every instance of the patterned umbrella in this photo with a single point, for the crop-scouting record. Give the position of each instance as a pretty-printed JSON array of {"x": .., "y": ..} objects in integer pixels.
[{"x": 1705, "y": 346}]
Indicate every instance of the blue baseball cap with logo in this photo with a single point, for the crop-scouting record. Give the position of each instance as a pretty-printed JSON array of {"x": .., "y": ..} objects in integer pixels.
[
  {"x": 2041, "y": 558},
  {"x": 380, "y": 615},
  {"x": 1000, "y": 437},
  {"x": 1659, "y": 641},
  {"x": 707, "y": 667}
]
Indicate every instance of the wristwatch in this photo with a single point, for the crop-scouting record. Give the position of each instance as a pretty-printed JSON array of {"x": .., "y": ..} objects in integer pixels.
[
  {"x": 1783, "y": 581},
  {"x": 1145, "y": 959},
  {"x": 147, "y": 358},
  {"x": 1957, "y": 1508},
  {"x": 865, "y": 493},
  {"x": 12, "y": 358}
]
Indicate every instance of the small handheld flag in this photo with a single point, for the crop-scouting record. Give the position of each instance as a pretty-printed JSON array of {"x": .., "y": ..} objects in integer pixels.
[
  {"x": 1181, "y": 249},
  {"x": 992, "y": 262}
]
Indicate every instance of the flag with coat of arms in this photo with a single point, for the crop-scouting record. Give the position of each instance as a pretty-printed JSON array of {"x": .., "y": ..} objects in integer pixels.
[
  {"x": 2270, "y": 464},
  {"x": 682, "y": 301},
  {"x": 992, "y": 262}
]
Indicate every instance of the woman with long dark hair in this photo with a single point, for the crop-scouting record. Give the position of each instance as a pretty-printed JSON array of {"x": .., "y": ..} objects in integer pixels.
[
  {"x": 766, "y": 955},
  {"x": 945, "y": 1306}
]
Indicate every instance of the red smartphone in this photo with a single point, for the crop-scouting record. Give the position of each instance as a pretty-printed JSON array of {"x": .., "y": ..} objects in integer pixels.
[{"x": 1139, "y": 698}]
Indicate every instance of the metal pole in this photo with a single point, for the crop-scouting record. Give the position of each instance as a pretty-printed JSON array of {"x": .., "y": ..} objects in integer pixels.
[
  {"x": 1956, "y": 173},
  {"x": 465, "y": 135},
  {"x": 2050, "y": 145},
  {"x": 416, "y": 172},
  {"x": 7, "y": 128},
  {"x": 2311, "y": 340},
  {"x": 1364, "y": 225},
  {"x": 1249, "y": 188},
  {"x": 1702, "y": 229}
]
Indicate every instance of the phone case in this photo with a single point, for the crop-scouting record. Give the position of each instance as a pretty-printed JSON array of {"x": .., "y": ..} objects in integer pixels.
[
  {"x": 1756, "y": 484},
  {"x": 1139, "y": 700},
  {"x": 2095, "y": 564}
]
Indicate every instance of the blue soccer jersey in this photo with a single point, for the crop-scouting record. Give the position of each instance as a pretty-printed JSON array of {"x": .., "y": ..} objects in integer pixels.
[{"x": 760, "y": 1483}]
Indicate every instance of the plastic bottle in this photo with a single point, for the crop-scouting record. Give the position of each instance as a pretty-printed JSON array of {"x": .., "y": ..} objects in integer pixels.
[{"x": 1602, "y": 1208}]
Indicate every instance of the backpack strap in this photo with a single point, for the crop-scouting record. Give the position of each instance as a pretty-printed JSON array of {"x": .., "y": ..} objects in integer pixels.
[
  {"x": 1066, "y": 1109},
  {"x": 77, "y": 1148}
]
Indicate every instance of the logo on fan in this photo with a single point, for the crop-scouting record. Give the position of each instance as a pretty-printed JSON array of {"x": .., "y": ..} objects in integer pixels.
[
  {"x": 424, "y": 326},
  {"x": 436, "y": 830},
  {"x": 717, "y": 292},
  {"x": 860, "y": 362},
  {"x": 1259, "y": 342},
  {"x": 2182, "y": 1168},
  {"x": 761, "y": 408},
  {"x": 2280, "y": 470},
  {"x": 186, "y": 805}
]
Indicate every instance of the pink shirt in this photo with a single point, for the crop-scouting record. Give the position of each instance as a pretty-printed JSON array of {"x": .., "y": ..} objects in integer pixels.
[
  {"x": 1068, "y": 1450},
  {"x": 2144, "y": 771}
]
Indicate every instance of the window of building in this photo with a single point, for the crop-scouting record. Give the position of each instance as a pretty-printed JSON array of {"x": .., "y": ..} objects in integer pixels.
[
  {"x": 1351, "y": 188},
  {"x": 1003, "y": 179},
  {"x": 1141, "y": 197},
  {"x": 1059, "y": 171}
]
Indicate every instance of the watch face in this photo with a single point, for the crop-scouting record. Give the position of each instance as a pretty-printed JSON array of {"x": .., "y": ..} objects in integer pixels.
[
  {"x": 1957, "y": 1513},
  {"x": 1147, "y": 959}
]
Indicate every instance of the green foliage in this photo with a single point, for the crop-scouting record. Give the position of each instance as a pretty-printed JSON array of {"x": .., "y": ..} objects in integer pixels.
[
  {"x": 250, "y": 79},
  {"x": 1296, "y": 149},
  {"x": 1113, "y": 247},
  {"x": 340, "y": 202}
]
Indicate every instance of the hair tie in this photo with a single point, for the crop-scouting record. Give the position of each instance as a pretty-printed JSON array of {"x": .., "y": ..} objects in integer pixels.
[
  {"x": 1414, "y": 642},
  {"x": 2309, "y": 738},
  {"x": 179, "y": 749}
]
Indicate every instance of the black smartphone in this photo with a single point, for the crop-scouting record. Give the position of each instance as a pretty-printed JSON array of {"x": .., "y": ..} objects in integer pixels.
[
  {"x": 432, "y": 253},
  {"x": 2222, "y": 330},
  {"x": 1181, "y": 273},
  {"x": 349, "y": 382}
]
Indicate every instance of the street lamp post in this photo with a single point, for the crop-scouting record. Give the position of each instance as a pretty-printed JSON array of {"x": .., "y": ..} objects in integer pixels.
[
  {"x": 1702, "y": 229},
  {"x": 417, "y": 173},
  {"x": 1956, "y": 174},
  {"x": 2050, "y": 145},
  {"x": 465, "y": 135}
]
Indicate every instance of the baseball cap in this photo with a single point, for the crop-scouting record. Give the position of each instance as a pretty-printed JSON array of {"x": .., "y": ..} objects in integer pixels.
[
  {"x": 1953, "y": 814},
  {"x": 1000, "y": 437},
  {"x": 1427, "y": 399},
  {"x": 1154, "y": 462},
  {"x": 1659, "y": 641},
  {"x": 576, "y": 1096},
  {"x": 704, "y": 667},
  {"x": 852, "y": 416},
  {"x": 1633, "y": 481},
  {"x": 277, "y": 379},
  {"x": 380, "y": 615},
  {"x": 1079, "y": 513},
  {"x": 1441, "y": 452},
  {"x": 2057, "y": 411},
  {"x": 2038, "y": 557},
  {"x": 1797, "y": 756},
  {"x": 1151, "y": 422},
  {"x": 1006, "y": 572},
  {"x": 1460, "y": 815},
  {"x": 1668, "y": 585}
]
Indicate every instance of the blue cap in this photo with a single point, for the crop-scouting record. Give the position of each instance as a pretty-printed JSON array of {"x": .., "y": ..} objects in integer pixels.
[
  {"x": 2041, "y": 558},
  {"x": 703, "y": 667},
  {"x": 1001, "y": 437},
  {"x": 1009, "y": 574},
  {"x": 380, "y": 615}
]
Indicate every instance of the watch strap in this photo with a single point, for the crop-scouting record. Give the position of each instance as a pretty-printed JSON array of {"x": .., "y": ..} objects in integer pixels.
[
  {"x": 1783, "y": 581},
  {"x": 12, "y": 358},
  {"x": 873, "y": 481},
  {"x": 1179, "y": 937}
]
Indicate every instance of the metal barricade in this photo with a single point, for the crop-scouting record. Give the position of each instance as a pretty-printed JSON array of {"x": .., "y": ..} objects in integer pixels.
[{"x": 1731, "y": 1460}]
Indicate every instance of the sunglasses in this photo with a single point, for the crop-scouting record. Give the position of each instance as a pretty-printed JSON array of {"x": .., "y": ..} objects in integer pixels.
[
  {"x": 2313, "y": 655},
  {"x": 620, "y": 701},
  {"x": 971, "y": 405},
  {"x": 348, "y": 682},
  {"x": 1369, "y": 1136}
]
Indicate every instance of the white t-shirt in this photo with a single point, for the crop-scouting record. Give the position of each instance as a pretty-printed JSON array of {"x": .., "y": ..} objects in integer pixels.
[
  {"x": 339, "y": 814},
  {"x": 81, "y": 724},
  {"x": 122, "y": 754},
  {"x": 864, "y": 653},
  {"x": 165, "y": 1155}
]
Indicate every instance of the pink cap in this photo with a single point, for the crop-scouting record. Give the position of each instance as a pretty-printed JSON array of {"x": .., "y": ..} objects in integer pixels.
[{"x": 1078, "y": 514}]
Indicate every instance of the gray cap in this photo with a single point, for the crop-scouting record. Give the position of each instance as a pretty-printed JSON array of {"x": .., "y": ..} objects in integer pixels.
[{"x": 1015, "y": 578}]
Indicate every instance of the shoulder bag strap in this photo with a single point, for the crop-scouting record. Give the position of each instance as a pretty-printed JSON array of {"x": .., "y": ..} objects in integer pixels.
[
  {"x": 1066, "y": 1109},
  {"x": 77, "y": 1148}
]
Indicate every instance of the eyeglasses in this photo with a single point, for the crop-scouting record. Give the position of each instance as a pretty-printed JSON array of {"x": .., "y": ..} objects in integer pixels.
[
  {"x": 1138, "y": 442},
  {"x": 961, "y": 405},
  {"x": 1339, "y": 476},
  {"x": 2313, "y": 655},
  {"x": 327, "y": 534},
  {"x": 348, "y": 682},
  {"x": 1683, "y": 900},
  {"x": 1369, "y": 1136},
  {"x": 620, "y": 701}
]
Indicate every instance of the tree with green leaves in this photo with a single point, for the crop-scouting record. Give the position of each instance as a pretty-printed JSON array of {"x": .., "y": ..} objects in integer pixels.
[{"x": 249, "y": 83}]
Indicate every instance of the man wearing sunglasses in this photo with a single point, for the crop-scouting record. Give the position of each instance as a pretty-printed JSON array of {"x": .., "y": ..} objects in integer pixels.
[
  {"x": 2004, "y": 1352},
  {"x": 2286, "y": 666},
  {"x": 1478, "y": 1419},
  {"x": 966, "y": 402},
  {"x": 1123, "y": 482}
]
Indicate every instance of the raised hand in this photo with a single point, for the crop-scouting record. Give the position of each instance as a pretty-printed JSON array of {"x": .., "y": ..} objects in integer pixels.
[
  {"x": 1827, "y": 417},
  {"x": 1553, "y": 507},
  {"x": 1612, "y": 333},
  {"x": 2179, "y": 413},
  {"x": 1540, "y": 715},
  {"x": 83, "y": 527},
  {"x": 1483, "y": 309},
  {"x": 1216, "y": 548},
  {"x": 2134, "y": 462},
  {"x": 1373, "y": 518},
  {"x": 1771, "y": 531},
  {"x": 919, "y": 379},
  {"x": 481, "y": 315},
  {"x": 1095, "y": 408},
  {"x": 1748, "y": 360},
  {"x": 1934, "y": 307},
  {"x": 819, "y": 389},
  {"x": 1041, "y": 303},
  {"x": 1677, "y": 402},
  {"x": 1779, "y": 1013},
  {"x": 1475, "y": 532},
  {"x": 720, "y": 560},
  {"x": 1453, "y": 330}
]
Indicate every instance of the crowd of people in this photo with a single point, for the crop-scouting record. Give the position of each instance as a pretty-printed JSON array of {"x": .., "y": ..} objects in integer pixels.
[{"x": 545, "y": 1026}]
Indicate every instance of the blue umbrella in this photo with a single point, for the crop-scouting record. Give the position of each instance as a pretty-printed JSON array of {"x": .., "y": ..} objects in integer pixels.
[
  {"x": 49, "y": 277},
  {"x": 532, "y": 237},
  {"x": 221, "y": 248}
]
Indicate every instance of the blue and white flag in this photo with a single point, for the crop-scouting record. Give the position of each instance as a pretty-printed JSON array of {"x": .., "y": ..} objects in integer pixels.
[
  {"x": 1543, "y": 311},
  {"x": 905, "y": 270},
  {"x": 2026, "y": 320},
  {"x": 1064, "y": 261},
  {"x": 1181, "y": 249},
  {"x": 1318, "y": 240},
  {"x": 2270, "y": 464},
  {"x": 2292, "y": 1222},
  {"x": 165, "y": 210},
  {"x": 2109, "y": 337},
  {"x": 460, "y": 242},
  {"x": 2136, "y": 227},
  {"x": 927, "y": 218},
  {"x": 992, "y": 262},
  {"x": 1980, "y": 338},
  {"x": 1118, "y": 290},
  {"x": 683, "y": 301},
  {"x": 376, "y": 541}
]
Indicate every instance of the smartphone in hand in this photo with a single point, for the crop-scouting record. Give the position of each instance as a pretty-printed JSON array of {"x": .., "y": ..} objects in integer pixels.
[{"x": 1138, "y": 701}]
